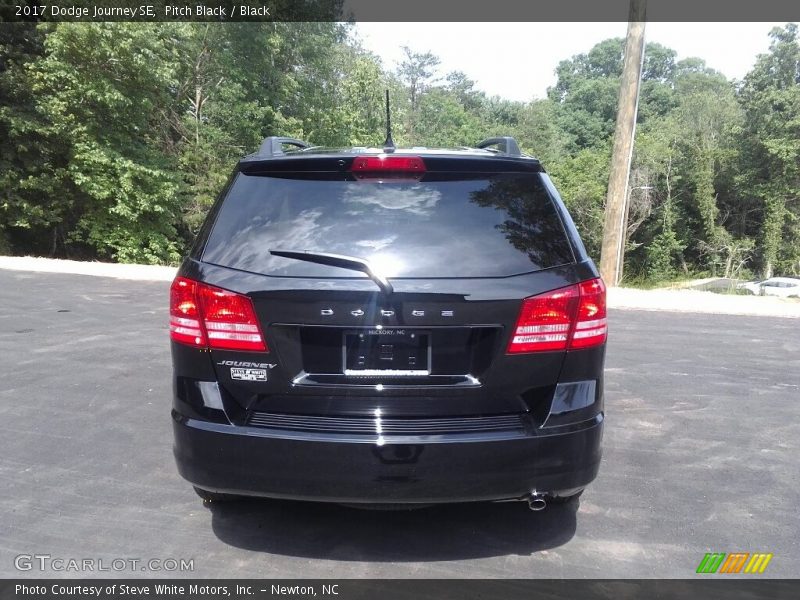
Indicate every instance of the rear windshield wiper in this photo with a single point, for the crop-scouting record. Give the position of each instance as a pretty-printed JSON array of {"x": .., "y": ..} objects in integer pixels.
[{"x": 339, "y": 260}]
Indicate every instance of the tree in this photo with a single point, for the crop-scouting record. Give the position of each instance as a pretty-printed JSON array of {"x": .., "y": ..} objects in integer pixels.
[
  {"x": 445, "y": 121},
  {"x": 416, "y": 71},
  {"x": 708, "y": 115},
  {"x": 655, "y": 160},
  {"x": 463, "y": 89},
  {"x": 539, "y": 133},
  {"x": 95, "y": 175},
  {"x": 770, "y": 96},
  {"x": 116, "y": 138},
  {"x": 361, "y": 101},
  {"x": 581, "y": 180},
  {"x": 20, "y": 45}
]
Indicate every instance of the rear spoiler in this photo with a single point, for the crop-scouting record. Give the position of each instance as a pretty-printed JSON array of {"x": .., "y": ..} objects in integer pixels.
[{"x": 341, "y": 163}]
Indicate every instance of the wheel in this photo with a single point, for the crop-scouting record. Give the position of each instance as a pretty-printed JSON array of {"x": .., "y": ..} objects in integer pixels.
[
  {"x": 209, "y": 496},
  {"x": 564, "y": 499}
]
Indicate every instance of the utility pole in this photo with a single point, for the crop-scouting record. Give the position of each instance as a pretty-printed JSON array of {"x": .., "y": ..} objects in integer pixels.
[{"x": 613, "y": 249}]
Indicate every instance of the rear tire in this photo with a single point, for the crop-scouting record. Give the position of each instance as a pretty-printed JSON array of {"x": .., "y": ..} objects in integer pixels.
[{"x": 209, "y": 496}]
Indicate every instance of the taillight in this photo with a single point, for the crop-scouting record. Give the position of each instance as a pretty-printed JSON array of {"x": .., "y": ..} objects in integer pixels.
[
  {"x": 184, "y": 313},
  {"x": 568, "y": 318},
  {"x": 230, "y": 320},
  {"x": 591, "y": 326},
  {"x": 206, "y": 316},
  {"x": 545, "y": 321}
]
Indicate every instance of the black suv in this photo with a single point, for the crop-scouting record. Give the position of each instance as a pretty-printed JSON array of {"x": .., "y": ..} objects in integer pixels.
[{"x": 387, "y": 326}]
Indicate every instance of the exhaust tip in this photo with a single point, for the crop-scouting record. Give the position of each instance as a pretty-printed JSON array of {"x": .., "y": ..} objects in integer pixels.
[{"x": 536, "y": 502}]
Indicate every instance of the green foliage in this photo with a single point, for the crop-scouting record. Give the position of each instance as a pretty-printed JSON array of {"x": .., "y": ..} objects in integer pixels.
[
  {"x": 581, "y": 180},
  {"x": 115, "y": 139},
  {"x": 417, "y": 72},
  {"x": 770, "y": 171},
  {"x": 19, "y": 152}
]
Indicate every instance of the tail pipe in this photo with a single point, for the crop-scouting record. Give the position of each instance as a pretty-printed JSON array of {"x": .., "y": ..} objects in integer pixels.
[{"x": 537, "y": 501}]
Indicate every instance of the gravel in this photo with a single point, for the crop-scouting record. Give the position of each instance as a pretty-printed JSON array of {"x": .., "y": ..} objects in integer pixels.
[
  {"x": 98, "y": 269},
  {"x": 694, "y": 301}
]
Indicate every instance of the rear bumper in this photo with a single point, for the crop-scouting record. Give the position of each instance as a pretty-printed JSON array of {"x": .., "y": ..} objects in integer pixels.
[{"x": 351, "y": 469}]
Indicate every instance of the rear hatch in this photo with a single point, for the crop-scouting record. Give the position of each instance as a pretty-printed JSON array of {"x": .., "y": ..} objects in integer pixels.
[{"x": 460, "y": 250}]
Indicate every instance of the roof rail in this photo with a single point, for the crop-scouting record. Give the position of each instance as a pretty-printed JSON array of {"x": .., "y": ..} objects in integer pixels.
[
  {"x": 506, "y": 145},
  {"x": 273, "y": 145}
]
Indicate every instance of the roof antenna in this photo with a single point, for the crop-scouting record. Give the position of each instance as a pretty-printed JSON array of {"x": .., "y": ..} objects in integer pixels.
[{"x": 388, "y": 145}]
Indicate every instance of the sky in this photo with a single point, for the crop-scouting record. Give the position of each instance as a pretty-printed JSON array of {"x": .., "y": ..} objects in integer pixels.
[{"x": 520, "y": 64}]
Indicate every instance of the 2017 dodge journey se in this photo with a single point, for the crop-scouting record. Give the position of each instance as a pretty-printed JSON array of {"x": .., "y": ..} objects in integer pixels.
[{"x": 388, "y": 327}]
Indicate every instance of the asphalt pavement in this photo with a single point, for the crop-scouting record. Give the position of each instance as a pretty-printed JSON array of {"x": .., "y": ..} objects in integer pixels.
[{"x": 701, "y": 455}]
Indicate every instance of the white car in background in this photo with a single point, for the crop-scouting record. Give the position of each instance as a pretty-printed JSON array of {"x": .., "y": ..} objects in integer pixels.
[{"x": 784, "y": 287}]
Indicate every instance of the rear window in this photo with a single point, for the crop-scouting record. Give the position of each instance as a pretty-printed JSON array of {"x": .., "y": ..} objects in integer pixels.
[{"x": 492, "y": 227}]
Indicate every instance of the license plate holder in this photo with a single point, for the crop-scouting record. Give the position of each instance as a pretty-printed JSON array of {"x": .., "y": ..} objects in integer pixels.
[{"x": 392, "y": 352}]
